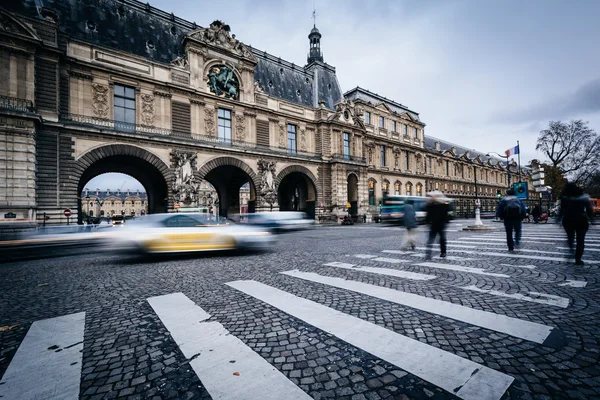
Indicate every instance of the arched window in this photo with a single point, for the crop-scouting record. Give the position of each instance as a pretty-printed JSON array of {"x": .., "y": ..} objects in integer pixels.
[
  {"x": 419, "y": 190},
  {"x": 397, "y": 188},
  {"x": 371, "y": 184},
  {"x": 91, "y": 204},
  {"x": 91, "y": 213},
  {"x": 102, "y": 213},
  {"x": 385, "y": 187},
  {"x": 409, "y": 189}
]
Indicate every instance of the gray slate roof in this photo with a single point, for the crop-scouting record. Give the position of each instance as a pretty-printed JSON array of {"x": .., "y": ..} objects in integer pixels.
[
  {"x": 460, "y": 150},
  {"x": 359, "y": 93},
  {"x": 103, "y": 194}
]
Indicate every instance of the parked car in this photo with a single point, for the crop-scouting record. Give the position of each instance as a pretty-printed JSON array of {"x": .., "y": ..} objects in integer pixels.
[
  {"x": 280, "y": 221},
  {"x": 190, "y": 232}
]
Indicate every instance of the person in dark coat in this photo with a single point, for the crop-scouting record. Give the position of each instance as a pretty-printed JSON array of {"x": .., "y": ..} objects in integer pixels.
[
  {"x": 410, "y": 223},
  {"x": 575, "y": 213},
  {"x": 437, "y": 208},
  {"x": 535, "y": 213},
  {"x": 512, "y": 210}
]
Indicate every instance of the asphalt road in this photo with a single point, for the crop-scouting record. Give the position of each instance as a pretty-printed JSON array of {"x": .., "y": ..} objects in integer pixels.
[{"x": 374, "y": 323}]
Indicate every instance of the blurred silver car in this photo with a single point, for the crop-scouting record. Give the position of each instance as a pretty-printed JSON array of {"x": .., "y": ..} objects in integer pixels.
[
  {"x": 280, "y": 221},
  {"x": 189, "y": 232}
]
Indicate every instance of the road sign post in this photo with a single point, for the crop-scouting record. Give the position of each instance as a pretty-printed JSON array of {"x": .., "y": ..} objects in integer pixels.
[{"x": 67, "y": 214}]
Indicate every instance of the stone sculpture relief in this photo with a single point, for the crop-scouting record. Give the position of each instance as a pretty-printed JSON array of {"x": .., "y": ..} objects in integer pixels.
[
  {"x": 240, "y": 127},
  {"x": 181, "y": 62},
  {"x": 209, "y": 121},
  {"x": 218, "y": 34},
  {"x": 302, "y": 139},
  {"x": 223, "y": 82},
  {"x": 186, "y": 184},
  {"x": 147, "y": 109},
  {"x": 258, "y": 88},
  {"x": 282, "y": 142},
  {"x": 267, "y": 190},
  {"x": 100, "y": 100}
]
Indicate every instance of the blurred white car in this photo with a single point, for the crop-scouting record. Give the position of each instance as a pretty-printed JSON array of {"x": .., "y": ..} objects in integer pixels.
[
  {"x": 189, "y": 232},
  {"x": 280, "y": 220}
]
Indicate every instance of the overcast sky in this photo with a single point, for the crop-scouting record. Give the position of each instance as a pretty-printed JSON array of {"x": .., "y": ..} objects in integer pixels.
[{"x": 482, "y": 74}]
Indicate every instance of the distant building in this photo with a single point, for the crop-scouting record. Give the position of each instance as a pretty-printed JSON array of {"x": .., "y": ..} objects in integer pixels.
[{"x": 107, "y": 203}]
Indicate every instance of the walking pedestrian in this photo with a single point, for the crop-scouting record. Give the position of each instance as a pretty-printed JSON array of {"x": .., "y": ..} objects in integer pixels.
[
  {"x": 437, "y": 208},
  {"x": 575, "y": 213},
  {"x": 535, "y": 213},
  {"x": 512, "y": 210},
  {"x": 410, "y": 223}
]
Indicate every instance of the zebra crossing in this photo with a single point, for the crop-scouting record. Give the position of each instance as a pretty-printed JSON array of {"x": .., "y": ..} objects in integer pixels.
[{"x": 51, "y": 353}]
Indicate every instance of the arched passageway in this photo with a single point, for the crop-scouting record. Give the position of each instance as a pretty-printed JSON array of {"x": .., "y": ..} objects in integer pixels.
[
  {"x": 353, "y": 194},
  {"x": 148, "y": 169},
  {"x": 297, "y": 192}
]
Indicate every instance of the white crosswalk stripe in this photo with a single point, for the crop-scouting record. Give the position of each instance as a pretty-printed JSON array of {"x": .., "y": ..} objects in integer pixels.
[
  {"x": 383, "y": 271},
  {"x": 465, "y": 378},
  {"x": 415, "y": 254},
  {"x": 529, "y": 266},
  {"x": 523, "y": 256},
  {"x": 210, "y": 347},
  {"x": 47, "y": 364},
  {"x": 460, "y": 268},
  {"x": 572, "y": 283},
  {"x": 500, "y": 323},
  {"x": 534, "y": 297}
]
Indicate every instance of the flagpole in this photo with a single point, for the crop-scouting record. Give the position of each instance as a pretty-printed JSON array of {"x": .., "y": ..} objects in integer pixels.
[{"x": 519, "y": 158}]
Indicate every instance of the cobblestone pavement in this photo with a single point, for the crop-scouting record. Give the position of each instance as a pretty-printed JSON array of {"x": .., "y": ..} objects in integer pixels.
[{"x": 130, "y": 350}]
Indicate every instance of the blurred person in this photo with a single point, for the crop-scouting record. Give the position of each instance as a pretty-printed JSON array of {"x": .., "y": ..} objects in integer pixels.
[
  {"x": 512, "y": 210},
  {"x": 437, "y": 209},
  {"x": 575, "y": 213},
  {"x": 410, "y": 223},
  {"x": 535, "y": 213}
]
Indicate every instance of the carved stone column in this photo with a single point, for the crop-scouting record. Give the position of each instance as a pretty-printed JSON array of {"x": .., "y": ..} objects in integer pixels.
[{"x": 266, "y": 187}]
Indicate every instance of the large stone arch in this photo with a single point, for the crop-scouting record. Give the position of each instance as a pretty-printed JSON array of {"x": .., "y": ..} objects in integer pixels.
[
  {"x": 135, "y": 161},
  {"x": 297, "y": 189},
  {"x": 226, "y": 175}
]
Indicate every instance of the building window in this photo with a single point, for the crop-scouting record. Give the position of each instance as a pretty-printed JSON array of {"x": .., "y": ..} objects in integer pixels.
[
  {"x": 404, "y": 130},
  {"x": 367, "y": 118},
  {"x": 381, "y": 122},
  {"x": 371, "y": 193},
  {"x": 447, "y": 168},
  {"x": 397, "y": 186},
  {"x": 346, "y": 145},
  {"x": 429, "y": 165},
  {"x": 409, "y": 189},
  {"x": 416, "y": 133},
  {"x": 102, "y": 213},
  {"x": 394, "y": 126},
  {"x": 462, "y": 171},
  {"x": 406, "y": 162},
  {"x": 419, "y": 190},
  {"x": 124, "y": 108},
  {"x": 383, "y": 156},
  {"x": 91, "y": 213},
  {"x": 385, "y": 187},
  {"x": 224, "y": 125},
  {"x": 291, "y": 139}
]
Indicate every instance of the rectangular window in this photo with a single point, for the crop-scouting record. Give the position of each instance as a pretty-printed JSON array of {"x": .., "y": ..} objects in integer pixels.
[
  {"x": 381, "y": 122},
  {"x": 447, "y": 168},
  {"x": 416, "y": 133},
  {"x": 224, "y": 125},
  {"x": 462, "y": 171},
  {"x": 367, "y": 118},
  {"x": 429, "y": 165},
  {"x": 406, "y": 163},
  {"x": 346, "y": 145},
  {"x": 383, "y": 156},
  {"x": 394, "y": 126},
  {"x": 124, "y": 108},
  {"x": 404, "y": 130},
  {"x": 291, "y": 139}
]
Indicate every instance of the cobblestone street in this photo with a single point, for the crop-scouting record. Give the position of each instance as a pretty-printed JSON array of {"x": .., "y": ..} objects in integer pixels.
[{"x": 333, "y": 312}]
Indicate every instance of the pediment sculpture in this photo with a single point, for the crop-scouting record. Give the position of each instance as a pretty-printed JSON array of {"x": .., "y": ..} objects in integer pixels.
[{"x": 218, "y": 34}]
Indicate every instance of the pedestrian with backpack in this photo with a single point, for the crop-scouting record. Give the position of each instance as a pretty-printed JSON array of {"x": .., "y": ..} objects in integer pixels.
[
  {"x": 575, "y": 213},
  {"x": 512, "y": 210}
]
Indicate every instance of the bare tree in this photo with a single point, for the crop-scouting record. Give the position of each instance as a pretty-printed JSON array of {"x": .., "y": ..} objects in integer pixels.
[{"x": 573, "y": 148}]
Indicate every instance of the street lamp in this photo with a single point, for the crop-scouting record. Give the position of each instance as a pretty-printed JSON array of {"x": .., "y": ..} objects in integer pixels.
[{"x": 507, "y": 165}]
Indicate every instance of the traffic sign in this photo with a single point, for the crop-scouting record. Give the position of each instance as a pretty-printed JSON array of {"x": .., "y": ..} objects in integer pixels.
[
  {"x": 348, "y": 205},
  {"x": 67, "y": 212}
]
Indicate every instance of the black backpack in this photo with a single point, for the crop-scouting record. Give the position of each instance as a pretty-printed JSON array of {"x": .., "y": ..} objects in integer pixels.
[{"x": 513, "y": 209}]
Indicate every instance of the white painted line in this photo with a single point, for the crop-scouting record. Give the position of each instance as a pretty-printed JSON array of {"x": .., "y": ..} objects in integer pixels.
[
  {"x": 400, "y": 252},
  {"x": 47, "y": 364},
  {"x": 476, "y": 243},
  {"x": 521, "y": 250},
  {"x": 519, "y": 266},
  {"x": 536, "y": 297},
  {"x": 571, "y": 283},
  {"x": 546, "y": 238},
  {"x": 365, "y": 256},
  {"x": 500, "y": 323},
  {"x": 586, "y": 248},
  {"x": 461, "y": 269},
  {"x": 449, "y": 258},
  {"x": 516, "y": 255},
  {"x": 479, "y": 238},
  {"x": 464, "y": 378},
  {"x": 390, "y": 260},
  {"x": 383, "y": 271},
  {"x": 210, "y": 348}
]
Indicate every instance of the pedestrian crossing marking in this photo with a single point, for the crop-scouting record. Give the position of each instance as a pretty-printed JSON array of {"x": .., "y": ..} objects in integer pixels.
[
  {"x": 383, "y": 271},
  {"x": 519, "y": 266},
  {"x": 535, "y": 237},
  {"x": 400, "y": 252},
  {"x": 210, "y": 347},
  {"x": 535, "y": 297},
  {"x": 464, "y": 378},
  {"x": 365, "y": 256},
  {"x": 527, "y": 330},
  {"x": 449, "y": 258},
  {"x": 48, "y": 363},
  {"x": 586, "y": 248},
  {"x": 517, "y": 255},
  {"x": 572, "y": 283},
  {"x": 461, "y": 269}
]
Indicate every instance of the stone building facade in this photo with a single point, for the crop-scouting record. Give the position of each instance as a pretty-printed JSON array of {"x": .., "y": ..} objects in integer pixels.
[
  {"x": 107, "y": 203},
  {"x": 120, "y": 86}
]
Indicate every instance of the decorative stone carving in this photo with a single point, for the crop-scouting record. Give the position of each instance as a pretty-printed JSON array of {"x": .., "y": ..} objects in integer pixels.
[
  {"x": 147, "y": 109},
  {"x": 222, "y": 81},
  {"x": 347, "y": 111},
  {"x": 302, "y": 139},
  {"x": 218, "y": 34},
  {"x": 258, "y": 88},
  {"x": 282, "y": 142},
  {"x": 266, "y": 187},
  {"x": 396, "y": 157},
  {"x": 185, "y": 184},
  {"x": 10, "y": 25},
  {"x": 370, "y": 155},
  {"x": 181, "y": 62},
  {"x": 100, "y": 100},
  {"x": 209, "y": 121},
  {"x": 240, "y": 127}
]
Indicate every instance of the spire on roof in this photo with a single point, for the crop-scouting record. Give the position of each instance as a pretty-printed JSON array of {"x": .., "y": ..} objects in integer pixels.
[{"x": 314, "y": 37}]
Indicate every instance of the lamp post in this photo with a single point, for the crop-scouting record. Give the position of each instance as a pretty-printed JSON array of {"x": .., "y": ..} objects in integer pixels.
[{"x": 507, "y": 164}]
